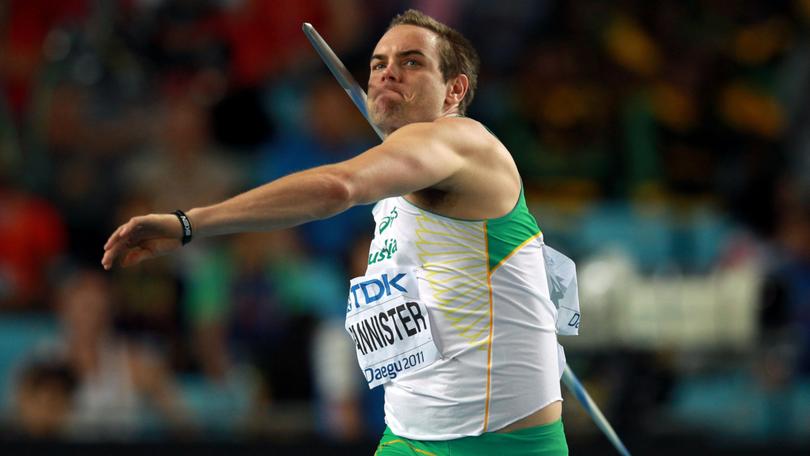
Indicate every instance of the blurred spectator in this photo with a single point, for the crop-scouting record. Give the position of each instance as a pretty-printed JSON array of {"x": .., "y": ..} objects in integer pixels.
[
  {"x": 32, "y": 239},
  {"x": 183, "y": 168},
  {"x": 25, "y": 25},
  {"x": 118, "y": 379},
  {"x": 262, "y": 291},
  {"x": 338, "y": 385},
  {"x": 79, "y": 167},
  {"x": 783, "y": 354},
  {"x": 265, "y": 37},
  {"x": 785, "y": 312},
  {"x": 567, "y": 120},
  {"x": 44, "y": 399}
]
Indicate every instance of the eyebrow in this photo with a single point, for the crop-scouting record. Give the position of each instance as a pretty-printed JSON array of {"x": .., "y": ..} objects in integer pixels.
[{"x": 407, "y": 53}]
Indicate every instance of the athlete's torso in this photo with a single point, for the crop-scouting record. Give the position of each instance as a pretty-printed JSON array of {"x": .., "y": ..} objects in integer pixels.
[{"x": 484, "y": 287}]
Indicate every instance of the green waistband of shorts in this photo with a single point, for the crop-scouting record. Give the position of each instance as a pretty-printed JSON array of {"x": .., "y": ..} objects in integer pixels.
[{"x": 531, "y": 433}]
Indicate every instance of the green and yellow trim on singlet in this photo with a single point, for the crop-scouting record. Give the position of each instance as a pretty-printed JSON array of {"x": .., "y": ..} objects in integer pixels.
[
  {"x": 508, "y": 234},
  {"x": 504, "y": 235}
]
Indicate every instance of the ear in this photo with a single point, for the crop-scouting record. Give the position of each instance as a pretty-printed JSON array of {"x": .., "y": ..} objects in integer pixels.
[{"x": 456, "y": 90}]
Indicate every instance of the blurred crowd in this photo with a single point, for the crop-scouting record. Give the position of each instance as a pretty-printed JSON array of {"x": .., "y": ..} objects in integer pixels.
[{"x": 613, "y": 110}]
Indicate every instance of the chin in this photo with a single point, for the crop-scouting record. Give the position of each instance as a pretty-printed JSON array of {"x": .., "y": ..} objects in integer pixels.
[{"x": 387, "y": 121}]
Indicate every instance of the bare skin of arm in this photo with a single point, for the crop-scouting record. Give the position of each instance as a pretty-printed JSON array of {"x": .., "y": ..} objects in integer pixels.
[{"x": 453, "y": 155}]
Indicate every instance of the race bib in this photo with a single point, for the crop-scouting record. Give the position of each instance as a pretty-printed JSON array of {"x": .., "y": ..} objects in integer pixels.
[{"x": 389, "y": 326}]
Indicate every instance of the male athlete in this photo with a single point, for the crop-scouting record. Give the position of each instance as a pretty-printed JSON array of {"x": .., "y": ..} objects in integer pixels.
[{"x": 453, "y": 316}]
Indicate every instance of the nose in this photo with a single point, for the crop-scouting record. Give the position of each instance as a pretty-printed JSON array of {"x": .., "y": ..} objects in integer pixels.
[{"x": 389, "y": 73}]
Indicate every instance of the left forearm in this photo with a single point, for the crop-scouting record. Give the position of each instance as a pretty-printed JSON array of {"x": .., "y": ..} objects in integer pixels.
[{"x": 289, "y": 201}]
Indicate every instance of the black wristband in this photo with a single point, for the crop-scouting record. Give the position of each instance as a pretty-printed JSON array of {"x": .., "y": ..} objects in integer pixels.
[{"x": 186, "y": 223}]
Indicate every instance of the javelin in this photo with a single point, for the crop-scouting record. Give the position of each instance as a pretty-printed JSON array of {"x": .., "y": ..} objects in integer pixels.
[
  {"x": 575, "y": 386},
  {"x": 339, "y": 71},
  {"x": 358, "y": 96}
]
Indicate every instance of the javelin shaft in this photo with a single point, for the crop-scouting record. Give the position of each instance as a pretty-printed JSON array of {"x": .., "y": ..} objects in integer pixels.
[
  {"x": 340, "y": 73},
  {"x": 575, "y": 386},
  {"x": 358, "y": 96}
]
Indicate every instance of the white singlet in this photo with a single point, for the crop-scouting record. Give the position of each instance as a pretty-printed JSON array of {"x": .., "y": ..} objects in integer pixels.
[{"x": 483, "y": 286}]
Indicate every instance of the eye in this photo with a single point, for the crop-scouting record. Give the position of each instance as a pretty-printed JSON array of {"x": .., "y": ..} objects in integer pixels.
[
  {"x": 377, "y": 66},
  {"x": 411, "y": 63}
]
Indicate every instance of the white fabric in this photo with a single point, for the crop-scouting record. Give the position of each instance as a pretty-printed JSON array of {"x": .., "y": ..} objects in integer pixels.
[{"x": 495, "y": 329}]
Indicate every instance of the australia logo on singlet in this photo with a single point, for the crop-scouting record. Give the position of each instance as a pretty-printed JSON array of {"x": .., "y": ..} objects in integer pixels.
[{"x": 388, "y": 250}]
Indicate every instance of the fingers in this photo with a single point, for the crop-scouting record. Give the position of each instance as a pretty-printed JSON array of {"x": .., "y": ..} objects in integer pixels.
[
  {"x": 118, "y": 242},
  {"x": 111, "y": 249},
  {"x": 123, "y": 255},
  {"x": 141, "y": 238}
]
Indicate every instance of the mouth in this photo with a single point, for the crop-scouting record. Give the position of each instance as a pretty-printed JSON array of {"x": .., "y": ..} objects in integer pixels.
[{"x": 386, "y": 90}]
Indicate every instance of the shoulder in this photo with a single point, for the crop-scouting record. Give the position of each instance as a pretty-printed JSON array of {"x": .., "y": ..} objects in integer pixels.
[
  {"x": 463, "y": 132},
  {"x": 454, "y": 124}
]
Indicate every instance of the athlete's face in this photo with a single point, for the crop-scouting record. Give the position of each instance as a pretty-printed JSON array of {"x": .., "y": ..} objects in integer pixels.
[{"x": 406, "y": 84}]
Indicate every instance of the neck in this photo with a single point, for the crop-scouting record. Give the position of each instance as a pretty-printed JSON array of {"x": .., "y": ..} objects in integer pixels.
[{"x": 452, "y": 111}]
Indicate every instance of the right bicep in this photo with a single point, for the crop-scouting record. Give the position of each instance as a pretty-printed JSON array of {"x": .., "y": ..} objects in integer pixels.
[{"x": 412, "y": 159}]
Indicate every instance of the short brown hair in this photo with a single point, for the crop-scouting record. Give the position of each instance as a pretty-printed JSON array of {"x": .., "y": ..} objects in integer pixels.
[{"x": 456, "y": 54}]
